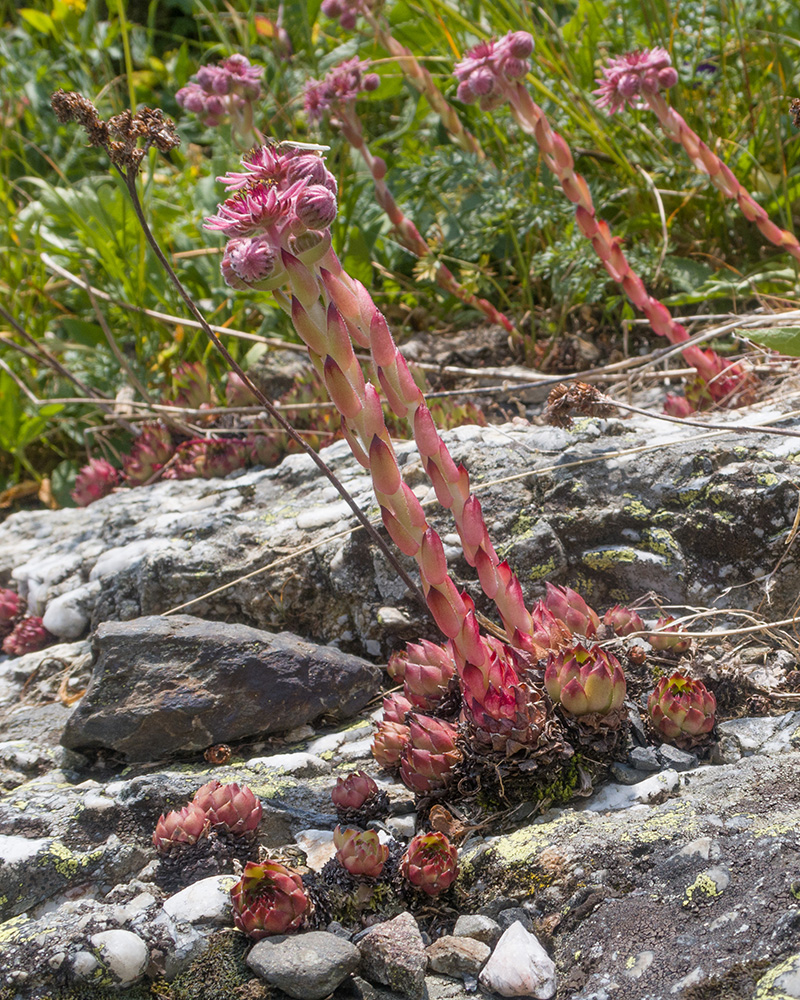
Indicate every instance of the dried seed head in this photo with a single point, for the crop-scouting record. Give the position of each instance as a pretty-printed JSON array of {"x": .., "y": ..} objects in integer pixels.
[{"x": 578, "y": 396}]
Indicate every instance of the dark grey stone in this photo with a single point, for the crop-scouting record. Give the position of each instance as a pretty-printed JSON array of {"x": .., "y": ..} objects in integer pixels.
[
  {"x": 305, "y": 966},
  {"x": 644, "y": 759},
  {"x": 512, "y": 915},
  {"x": 169, "y": 686},
  {"x": 678, "y": 760},
  {"x": 626, "y": 775}
]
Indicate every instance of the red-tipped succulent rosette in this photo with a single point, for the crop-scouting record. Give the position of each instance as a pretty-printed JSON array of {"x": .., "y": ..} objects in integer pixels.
[
  {"x": 623, "y": 620},
  {"x": 389, "y": 742},
  {"x": 94, "y": 481},
  {"x": 431, "y": 754},
  {"x": 668, "y": 637},
  {"x": 430, "y": 863},
  {"x": 234, "y": 807},
  {"x": 180, "y": 828},
  {"x": 585, "y": 681},
  {"x": 360, "y": 852},
  {"x": 268, "y": 899},
  {"x": 682, "y": 709},
  {"x": 28, "y": 636}
]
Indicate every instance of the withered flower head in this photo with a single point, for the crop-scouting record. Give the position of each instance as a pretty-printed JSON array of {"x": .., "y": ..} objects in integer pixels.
[
  {"x": 120, "y": 135},
  {"x": 578, "y": 396}
]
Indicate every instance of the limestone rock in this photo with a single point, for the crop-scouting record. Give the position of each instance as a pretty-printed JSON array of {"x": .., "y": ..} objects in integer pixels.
[
  {"x": 167, "y": 686},
  {"x": 306, "y": 966},
  {"x": 393, "y": 954},
  {"x": 123, "y": 953},
  {"x": 519, "y": 967}
]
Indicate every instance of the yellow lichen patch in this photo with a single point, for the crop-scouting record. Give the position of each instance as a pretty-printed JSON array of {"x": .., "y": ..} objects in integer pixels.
[
  {"x": 636, "y": 509},
  {"x": 676, "y": 819},
  {"x": 702, "y": 889},
  {"x": 542, "y": 569},
  {"x": 769, "y": 986},
  {"x": 65, "y": 861},
  {"x": 605, "y": 559},
  {"x": 767, "y": 479},
  {"x": 10, "y": 930},
  {"x": 660, "y": 541}
]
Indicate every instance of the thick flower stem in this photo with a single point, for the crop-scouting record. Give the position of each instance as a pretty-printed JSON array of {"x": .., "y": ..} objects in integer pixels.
[
  {"x": 419, "y": 77},
  {"x": 558, "y": 157},
  {"x": 721, "y": 176},
  {"x": 130, "y": 181}
]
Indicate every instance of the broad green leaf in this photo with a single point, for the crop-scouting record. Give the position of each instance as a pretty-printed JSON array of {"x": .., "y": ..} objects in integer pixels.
[
  {"x": 783, "y": 339},
  {"x": 37, "y": 19}
]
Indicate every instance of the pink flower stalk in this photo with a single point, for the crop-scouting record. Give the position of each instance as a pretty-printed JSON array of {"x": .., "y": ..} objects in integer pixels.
[
  {"x": 638, "y": 79},
  {"x": 228, "y": 89},
  {"x": 95, "y": 480},
  {"x": 336, "y": 95},
  {"x": 490, "y": 72},
  {"x": 331, "y": 312}
]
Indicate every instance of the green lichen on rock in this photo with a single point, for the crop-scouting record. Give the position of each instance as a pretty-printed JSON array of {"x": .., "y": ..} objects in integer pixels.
[{"x": 771, "y": 985}]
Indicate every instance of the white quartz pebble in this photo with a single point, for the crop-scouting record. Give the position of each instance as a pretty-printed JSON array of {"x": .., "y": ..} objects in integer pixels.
[{"x": 519, "y": 967}]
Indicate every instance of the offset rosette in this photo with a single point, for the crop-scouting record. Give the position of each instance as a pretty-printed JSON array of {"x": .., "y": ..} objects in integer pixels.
[
  {"x": 360, "y": 852},
  {"x": 623, "y": 620},
  {"x": 585, "y": 681},
  {"x": 358, "y": 799},
  {"x": 95, "y": 480},
  {"x": 180, "y": 828},
  {"x": 235, "y": 808},
  {"x": 682, "y": 709},
  {"x": 389, "y": 742},
  {"x": 268, "y": 899},
  {"x": 426, "y": 669},
  {"x": 667, "y": 638},
  {"x": 430, "y": 863},
  {"x": 430, "y": 755},
  {"x": 568, "y": 605}
]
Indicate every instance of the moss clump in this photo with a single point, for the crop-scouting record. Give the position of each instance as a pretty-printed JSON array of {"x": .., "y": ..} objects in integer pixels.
[{"x": 221, "y": 971}]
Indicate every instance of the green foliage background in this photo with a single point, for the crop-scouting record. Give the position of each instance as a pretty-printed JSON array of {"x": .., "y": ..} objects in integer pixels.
[{"x": 502, "y": 226}]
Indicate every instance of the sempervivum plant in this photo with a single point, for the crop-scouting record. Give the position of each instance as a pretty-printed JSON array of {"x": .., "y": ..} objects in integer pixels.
[
  {"x": 360, "y": 852},
  {"x": 426, "y": 671},
  {"x": 430, "y": 755},
  {"x": 27, "y": 636},
  {"x": 585, "y": 681},
  {"x": 358, "y": 799},
  {"x": 150, "y": 453},
  {"x": 568, "y": 605},
  {"x": 623, "y": 620},
  {"x": 667, "y": 637},
  {"x": 682, "y": 709},
  {"x": 95, "y": 480},
  {"x": 430, "y": 863},
  {"x": 233, "y": 807},
  {"x": 11, "y": 607},
  {"x": 390, "y": 739},
  {"x": 207, "y": 459},
  {"x": 268, "y": 899},
  {"x": 178, "y": 828}
]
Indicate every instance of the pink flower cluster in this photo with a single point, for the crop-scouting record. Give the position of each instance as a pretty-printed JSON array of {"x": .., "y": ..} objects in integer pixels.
[
  {"x": 341, "y": 86},
  {"x": 346, "y": 10},
  {"x": 627, "y": 77},
  {"x": 283, "y": 205},
  {"x": 217, "y": 91},
  {"x": 485, "y": 71}
]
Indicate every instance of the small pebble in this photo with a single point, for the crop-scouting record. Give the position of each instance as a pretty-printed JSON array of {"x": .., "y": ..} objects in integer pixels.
[
  {"x": 479, "y": 927},
  {"x": 644, "y": 759},
  {"x": 123, "y": 953},
  {"x": 678, "y": 760}
]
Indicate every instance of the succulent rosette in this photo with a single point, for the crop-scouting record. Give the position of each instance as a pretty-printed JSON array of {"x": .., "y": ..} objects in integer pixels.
[
  {"x": 623, "y": 620},
  {"x": 427, "y": 670},
  {"x": 568, "y": 605},
  {"x": 231, "y": 806},
  {"x": 150, "y": 452},
  {"x": 430, "y": 755},
  {"x": 11, "y": 607},
  {"x": 503, "y": 712},
  {"x": 682, "y": 709},
  {"x": 550, "y": 631},
  {"x": 360, "y": 851},
  {"x": 180, "y": 828},
  {"x": 95, "y": 480},
  {"x": 430, "y": 863},
  {"x": 395, "y": 707},
  {"x": 585, "y": 681},
  {"x": 268, "y": 899},
  {"x": 28, "y": 636},
  {"x": 668, "y": 637},
  {"x": 389, "y": 742},
  {"x": 358, "y": 799}
]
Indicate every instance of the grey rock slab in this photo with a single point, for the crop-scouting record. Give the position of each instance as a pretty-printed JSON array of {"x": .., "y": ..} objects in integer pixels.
[
  {"x": 479, "y": 927},
  {"x": 305, "y": 966},
  {"x": 393, "y": 954},
  {"x": 162, "y": 687},
  {"x": 605, "y": 522}
]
